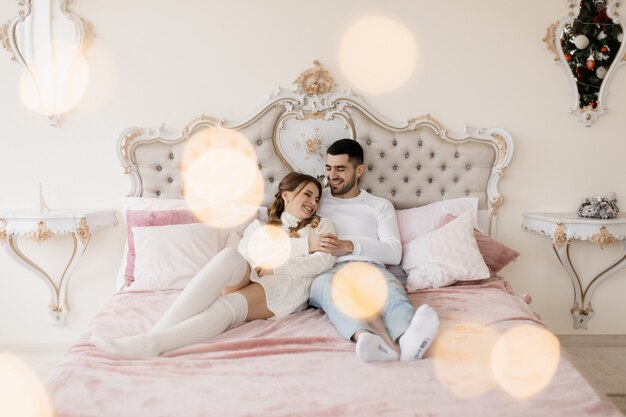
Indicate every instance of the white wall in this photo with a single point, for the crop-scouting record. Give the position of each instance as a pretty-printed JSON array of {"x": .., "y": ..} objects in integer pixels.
[{"x": 152, "y": 62}]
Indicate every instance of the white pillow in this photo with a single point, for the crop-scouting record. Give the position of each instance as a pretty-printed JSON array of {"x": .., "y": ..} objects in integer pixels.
[
  {"x": 418, "y": 221},
  {"x": 444, "y": 256},
  {"x": 167, "y": 257},
  {"x": 143, "y": 203},
  {"x": 227, "y": 238}
]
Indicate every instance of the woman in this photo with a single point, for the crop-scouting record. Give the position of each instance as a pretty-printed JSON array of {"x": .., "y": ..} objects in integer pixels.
[{"x": 235, "y": 287}]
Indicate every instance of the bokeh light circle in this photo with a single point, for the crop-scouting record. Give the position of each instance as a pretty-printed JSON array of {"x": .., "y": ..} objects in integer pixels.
[
  {"x": 359, "y": 290},
  {"x": 462, "y": 358},
  {"x": 21, "y": 392},
  {"x": 57, "y": 79},
  {"x": 223, "y": 184},
  {"x": 269, "y": 246},
  {"x": 525, "y": 359},
  {"x": 377, "y": 54}
]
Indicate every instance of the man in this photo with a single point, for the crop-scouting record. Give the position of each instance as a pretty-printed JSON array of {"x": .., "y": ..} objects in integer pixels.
[{"x": 367, "y": 231}]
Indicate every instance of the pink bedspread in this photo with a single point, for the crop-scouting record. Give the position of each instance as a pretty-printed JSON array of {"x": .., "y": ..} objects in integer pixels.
[{"x": 297, "y": 366}]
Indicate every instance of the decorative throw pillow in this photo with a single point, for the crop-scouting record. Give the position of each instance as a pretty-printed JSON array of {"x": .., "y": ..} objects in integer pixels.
[
  {"x": 443, "y": 256},
  {"x": 145, "y": 211},
  {"x": 495, "y": 254},
  {"x": 145, "y": 218},
  {"x": 167, "y": 257},
  {"x": 418, "y": 221}
]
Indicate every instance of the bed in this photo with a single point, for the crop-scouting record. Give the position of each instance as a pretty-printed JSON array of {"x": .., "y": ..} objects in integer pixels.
[{"x": 493, "y": 356}]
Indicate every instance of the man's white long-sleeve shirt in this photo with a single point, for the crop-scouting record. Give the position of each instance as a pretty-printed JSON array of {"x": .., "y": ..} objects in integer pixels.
[{"x": 369, "y": 222}]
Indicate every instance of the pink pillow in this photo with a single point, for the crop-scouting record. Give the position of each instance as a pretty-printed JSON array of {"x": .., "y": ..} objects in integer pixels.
[
  {"x": 495, "y": 254},
  {"x": 418, "y": 221},
  {"x": 142, "y": 218}
]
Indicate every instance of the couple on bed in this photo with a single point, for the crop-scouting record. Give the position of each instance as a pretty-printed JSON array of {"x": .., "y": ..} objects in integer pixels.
[{"x": 232, "y": 289}]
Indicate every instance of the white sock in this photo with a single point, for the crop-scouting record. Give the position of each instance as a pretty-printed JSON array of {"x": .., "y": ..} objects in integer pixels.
[
  {"x": 224, "y": 312},
  {"x": 226, "y": 268},
  {"x": 420, "y": 334},
  {"x": 370, "y": 347}
]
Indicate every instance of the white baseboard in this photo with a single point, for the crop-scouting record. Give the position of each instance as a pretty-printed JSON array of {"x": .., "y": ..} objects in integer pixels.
[{"x": 35, "y": 348}]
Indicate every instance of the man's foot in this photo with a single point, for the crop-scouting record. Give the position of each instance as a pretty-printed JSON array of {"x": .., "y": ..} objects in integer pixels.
[
  {"x": 420, "y": 334},
  {"x": 371, "y": 347}
]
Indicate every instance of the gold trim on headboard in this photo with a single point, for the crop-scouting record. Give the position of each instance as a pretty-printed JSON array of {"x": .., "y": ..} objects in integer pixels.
[{"x": 315, "y": 80}]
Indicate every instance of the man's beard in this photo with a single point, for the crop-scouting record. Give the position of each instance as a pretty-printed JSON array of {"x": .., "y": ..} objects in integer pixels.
[{"x": 347, "y": 186}]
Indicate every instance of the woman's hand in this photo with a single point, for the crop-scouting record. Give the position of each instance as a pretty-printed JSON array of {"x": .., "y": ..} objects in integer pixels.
[
  {"x": 336, "y": 247},
  {"x": 262, "y": 271},
  {"x": 315, "y": 243}
]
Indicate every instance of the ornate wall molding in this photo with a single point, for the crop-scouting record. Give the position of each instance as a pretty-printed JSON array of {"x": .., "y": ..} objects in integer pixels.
[{"x": 12, "y": 40}]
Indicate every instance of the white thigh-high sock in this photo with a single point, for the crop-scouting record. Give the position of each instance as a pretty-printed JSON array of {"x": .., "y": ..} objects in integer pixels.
[
  {"x": 226, "y": 268},
  {"x": 224, "y": 312},
  {"x": 420, "y": 334},
  {"x": 370, "y": 348}
]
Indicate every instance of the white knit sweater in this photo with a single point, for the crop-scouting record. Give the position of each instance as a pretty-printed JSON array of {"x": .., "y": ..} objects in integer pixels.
[
  {"x": 369, "y": 222},
  {"x": 287, "y": 289}
]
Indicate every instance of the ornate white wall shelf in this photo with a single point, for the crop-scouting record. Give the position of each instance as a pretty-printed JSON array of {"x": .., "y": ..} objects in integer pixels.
[
  {"x": 562, "y": 228},
  {"x": 40, "y": 227}
]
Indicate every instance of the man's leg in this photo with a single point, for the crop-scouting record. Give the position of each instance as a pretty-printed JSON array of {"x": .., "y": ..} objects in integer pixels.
[
  {"x": 397, "y": 311},
  {"x": 369, "y": 345},
  {"x": 415, "y": 331},
  {"x": 321, "y": 297}
]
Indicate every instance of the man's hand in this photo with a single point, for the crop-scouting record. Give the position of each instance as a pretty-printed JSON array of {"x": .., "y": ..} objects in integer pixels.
[
  {"x": 336, "y": 247},
  {"x": 263, "y": 270}
]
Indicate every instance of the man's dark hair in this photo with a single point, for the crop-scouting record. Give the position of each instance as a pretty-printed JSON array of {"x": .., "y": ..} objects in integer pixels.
[{"x": 348, "y": 147}]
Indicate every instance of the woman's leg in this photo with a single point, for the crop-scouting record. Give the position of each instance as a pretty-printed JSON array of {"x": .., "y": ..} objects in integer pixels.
[
  {"x": 247, "y": 304},
  {"x": 223, "y": 313},
  {"x": 257, "y": 303},
  {"x": 226, "y": 268}
]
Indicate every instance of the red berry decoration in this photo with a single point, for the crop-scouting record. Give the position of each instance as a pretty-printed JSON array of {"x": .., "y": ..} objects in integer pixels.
[
  {"x": 604, "y": 49},
  {"x": 592, "y": 104},
  {"x": 568, "y": 57},
  {"x": 591, "y": 63}
]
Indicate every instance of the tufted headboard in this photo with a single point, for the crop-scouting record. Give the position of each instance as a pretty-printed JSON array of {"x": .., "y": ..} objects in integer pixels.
[{"x": 411, "y": 164}]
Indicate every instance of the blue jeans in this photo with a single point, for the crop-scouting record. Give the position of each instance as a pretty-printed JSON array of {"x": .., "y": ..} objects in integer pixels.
[{"x": 396, "y": 313}]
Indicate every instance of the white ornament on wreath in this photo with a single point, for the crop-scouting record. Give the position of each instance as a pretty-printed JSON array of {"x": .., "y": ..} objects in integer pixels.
[
  {"x": 601, "y": 57},
  {"x": 601, "y": 35},
  {"x": 581, "y": 41},
  {"x": 601, "y": 73}
]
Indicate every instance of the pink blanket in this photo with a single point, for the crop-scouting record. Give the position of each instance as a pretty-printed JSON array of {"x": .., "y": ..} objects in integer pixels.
[{"x": 297, "y": 366}]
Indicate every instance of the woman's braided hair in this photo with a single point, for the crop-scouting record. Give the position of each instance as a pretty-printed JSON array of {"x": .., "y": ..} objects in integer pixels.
[{"x": 293, "y": 182}]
